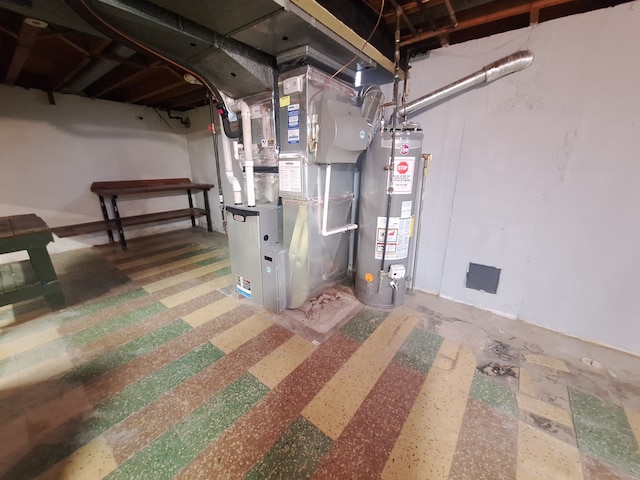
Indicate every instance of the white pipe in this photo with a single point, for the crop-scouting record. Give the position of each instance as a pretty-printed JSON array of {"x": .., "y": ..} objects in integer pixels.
[
  {"x": 248, "y": 152},
  {"x": 228, "y": 171},
  {"x": 325, "y": 209}
]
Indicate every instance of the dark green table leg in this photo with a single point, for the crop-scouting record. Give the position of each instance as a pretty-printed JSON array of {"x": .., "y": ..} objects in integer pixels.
[{"x": 47, "y": 275}]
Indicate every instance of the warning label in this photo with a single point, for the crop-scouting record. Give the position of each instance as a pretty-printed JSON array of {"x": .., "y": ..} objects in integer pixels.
[
  {"x": 243, "y": 286},
  {"x": 290, "y": 176},
  {"x": 398, "y": 235},
  {"x": 402, "y": 180}
]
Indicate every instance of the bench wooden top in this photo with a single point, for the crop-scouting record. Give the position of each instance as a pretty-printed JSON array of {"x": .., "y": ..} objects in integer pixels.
[
  {"x": 16, "y": 225},
  {"x": 134, "y": 187}
]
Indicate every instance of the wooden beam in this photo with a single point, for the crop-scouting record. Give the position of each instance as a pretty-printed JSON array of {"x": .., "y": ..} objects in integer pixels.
[
  {"x": 534, "y": 16},
  {"x": 188, "y": 98},
  {"x": 28, "y": 33},
  {"x": 72, "y": 74},
  {"x": 427, "y": 16},
  {"x": 404, "y": 17},
  {"x": 499, "y": 14},
  {"x": 128, "y": 79},
  {"x": 153, "y": 93},
  {"x": 326, "y": 18},
  {"x": 176, "y": 74},
  {"x": 8, "y": 32},
  {"x": 74, "y": 45},
  {"x": 83, "y": 63}
]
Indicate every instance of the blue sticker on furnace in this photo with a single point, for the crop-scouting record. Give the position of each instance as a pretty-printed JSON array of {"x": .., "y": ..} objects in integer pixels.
[{"x": 294, "y": 118}]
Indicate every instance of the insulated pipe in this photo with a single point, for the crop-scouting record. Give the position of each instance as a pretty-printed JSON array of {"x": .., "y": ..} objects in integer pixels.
[
  {"x": 248, "y": 152},
  {"x": 498, "y": 69},
  {"x": 325, "y": 209}
]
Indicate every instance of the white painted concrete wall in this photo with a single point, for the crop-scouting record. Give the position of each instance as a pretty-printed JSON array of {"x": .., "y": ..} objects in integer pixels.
[
  {"x": 50, "y": 155},
  {"x": 537, "y": 174}
]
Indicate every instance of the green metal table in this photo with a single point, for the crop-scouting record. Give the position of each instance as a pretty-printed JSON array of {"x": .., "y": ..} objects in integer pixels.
[{"x": 30, "y": 233}]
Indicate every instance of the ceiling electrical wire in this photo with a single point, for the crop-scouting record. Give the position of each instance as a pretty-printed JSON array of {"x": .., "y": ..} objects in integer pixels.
[
  {"x": 222, "y": 109},
  {"x": 312, "y": 142},
  {"x": 355, "y": 57},
  {"x": 366, "y": 42}
]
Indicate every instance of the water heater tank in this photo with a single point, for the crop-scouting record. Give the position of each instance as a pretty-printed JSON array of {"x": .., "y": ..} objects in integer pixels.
[{"x": 381, "y": 284}]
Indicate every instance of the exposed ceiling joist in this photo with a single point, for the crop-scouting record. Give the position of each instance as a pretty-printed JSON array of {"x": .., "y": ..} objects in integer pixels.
[
  {"x": 404, "y": 17},
  {"x": 128, "y": 79},
  {"x": 158, "y": 91},
  {"x": 28, "y": 33},
  {"x": 70, "y": 56},
  {"x": 476, "y": 20}
]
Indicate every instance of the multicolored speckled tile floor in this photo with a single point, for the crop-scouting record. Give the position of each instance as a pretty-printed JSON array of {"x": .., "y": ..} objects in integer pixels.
[{"x": 158, "y": 369}]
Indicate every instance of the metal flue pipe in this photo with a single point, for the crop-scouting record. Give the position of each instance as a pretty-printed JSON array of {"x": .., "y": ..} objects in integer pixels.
[{"x": 498, "y": 69}]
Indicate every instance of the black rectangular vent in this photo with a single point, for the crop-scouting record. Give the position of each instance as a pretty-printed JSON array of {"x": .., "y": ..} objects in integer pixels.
[{"x": 482, "y": 277}]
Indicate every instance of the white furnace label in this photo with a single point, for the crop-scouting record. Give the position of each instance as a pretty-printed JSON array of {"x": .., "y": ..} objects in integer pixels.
[
  {"x": 243, "y": 286},
  {"x": 402, "y": 180},
  {"x": 290, "y": 175},
  {"x": 397, "y": 235}
]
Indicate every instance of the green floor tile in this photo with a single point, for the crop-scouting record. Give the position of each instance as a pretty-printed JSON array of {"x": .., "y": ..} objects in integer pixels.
[
  {"x": 223, "y": 271},
  {"x": 419, "y": 350},
  {"x": 603, "y": 431},
  {"x": 96, "y": 305},
  {"x": 94, "y": 332},
  {"x": 209, "y": 261},
  {"x": 87, "y": 371},
  {"x": 141, "y": 393},
  {"x": 117, "y": 408},
  {"x": 297, "y": 454},
  {"x": 175, "y": 449},
  {"x": 363, "y": 324},
  {"x": 493, "y": 393},
  {"x": 194, "y": 253}
]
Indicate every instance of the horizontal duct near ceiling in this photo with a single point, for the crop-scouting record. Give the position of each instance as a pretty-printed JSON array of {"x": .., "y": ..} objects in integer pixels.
[{"x": 232, "y": 67}]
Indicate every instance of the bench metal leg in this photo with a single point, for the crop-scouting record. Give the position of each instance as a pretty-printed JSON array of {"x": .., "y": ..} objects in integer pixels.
[
  {"x": 193, "y": 217},
  {"x": 105, "y": 214},
  {"x": 208, "y": 210},
  {"x": 116, "y": 213}
]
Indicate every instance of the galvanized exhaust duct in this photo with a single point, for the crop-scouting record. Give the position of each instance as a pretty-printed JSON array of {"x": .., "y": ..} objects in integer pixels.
[{"x": 498, "y": 69}]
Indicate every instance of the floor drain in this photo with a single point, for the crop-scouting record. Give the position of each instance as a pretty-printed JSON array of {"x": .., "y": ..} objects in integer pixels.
[{"x": 592, "y": 363}]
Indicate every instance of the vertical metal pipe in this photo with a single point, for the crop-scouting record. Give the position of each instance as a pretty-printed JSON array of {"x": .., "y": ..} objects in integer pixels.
[
  {"x": 425, "y": 170},
  {"x": 391, "y": 164},
  {"x": 216, "y": 154}
]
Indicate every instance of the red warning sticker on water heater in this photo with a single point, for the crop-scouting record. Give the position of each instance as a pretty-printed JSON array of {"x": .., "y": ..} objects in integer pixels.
[{"x": 402, "y": 181}]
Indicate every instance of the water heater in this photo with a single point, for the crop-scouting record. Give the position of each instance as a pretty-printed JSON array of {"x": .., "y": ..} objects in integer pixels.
[{"x": 386, "y": 243}]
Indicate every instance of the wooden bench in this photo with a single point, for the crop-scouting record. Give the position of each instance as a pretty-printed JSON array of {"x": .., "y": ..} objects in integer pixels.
[
  {"x": 141, "y": 189},
  {"x": 30, "y": 233}
]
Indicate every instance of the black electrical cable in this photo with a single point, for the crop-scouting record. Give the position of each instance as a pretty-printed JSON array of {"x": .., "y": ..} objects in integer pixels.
[
  {"x": 216, "y": 154},
  {"x": 391, "y": 166}
]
